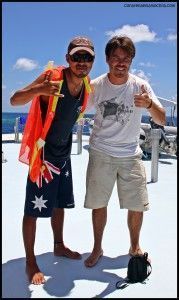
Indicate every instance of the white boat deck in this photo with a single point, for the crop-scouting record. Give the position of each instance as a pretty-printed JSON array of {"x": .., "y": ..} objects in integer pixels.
[{"x": 67, "y": 278}]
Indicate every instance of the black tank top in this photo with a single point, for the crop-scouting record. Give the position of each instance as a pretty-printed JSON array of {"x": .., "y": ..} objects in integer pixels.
[{"x": 59, "y": 137}]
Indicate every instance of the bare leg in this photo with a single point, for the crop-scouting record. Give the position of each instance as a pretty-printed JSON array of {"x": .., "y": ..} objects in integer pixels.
[
  {"x": 57, "y": 222},
  {"x": 99, "y": 217},
  {"x": 32, "y": 269},
  {"x": 135, "y": 219}
]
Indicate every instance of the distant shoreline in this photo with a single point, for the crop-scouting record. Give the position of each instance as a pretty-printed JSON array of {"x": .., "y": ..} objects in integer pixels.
[{"x": 92, "y": 114}]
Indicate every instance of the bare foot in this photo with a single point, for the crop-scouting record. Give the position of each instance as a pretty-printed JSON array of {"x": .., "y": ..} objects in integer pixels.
[
  {"x": 93, "y": 258},
  {"x": 34, "y": 274},
  {"x": 61, "y": 250},
  {"x": 136, "y": 251}
]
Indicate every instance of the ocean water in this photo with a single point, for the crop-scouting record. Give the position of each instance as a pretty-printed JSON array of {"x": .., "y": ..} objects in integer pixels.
[{"x": 9, "y": 119}]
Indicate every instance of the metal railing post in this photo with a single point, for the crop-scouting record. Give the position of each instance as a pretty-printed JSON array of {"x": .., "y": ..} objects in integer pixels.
[
  {"x": 3, "y": 159},
  {"x": 16, "y": 130},
  {"x": 79, "y": 137},
  {"x": 155, "y": 135}
]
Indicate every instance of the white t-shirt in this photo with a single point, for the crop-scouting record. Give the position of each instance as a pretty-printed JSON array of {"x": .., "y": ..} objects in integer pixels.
[{"x": 117, "y": 120}]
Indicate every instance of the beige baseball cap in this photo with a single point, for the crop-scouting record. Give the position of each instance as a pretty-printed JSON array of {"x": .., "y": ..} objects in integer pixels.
[{"x": 81, "y": 43}]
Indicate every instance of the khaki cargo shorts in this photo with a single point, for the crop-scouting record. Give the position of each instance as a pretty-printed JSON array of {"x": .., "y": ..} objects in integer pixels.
[{"x": 129, "y": 174}]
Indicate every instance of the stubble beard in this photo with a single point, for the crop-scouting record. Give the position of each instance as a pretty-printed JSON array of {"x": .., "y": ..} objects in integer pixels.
[{"x": 81, "y": 74}]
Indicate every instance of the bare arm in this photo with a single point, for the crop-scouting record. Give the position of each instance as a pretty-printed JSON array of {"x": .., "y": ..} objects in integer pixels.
[
  {"x": 41, "y": 86},
  {"x": 158, "y": 114}
]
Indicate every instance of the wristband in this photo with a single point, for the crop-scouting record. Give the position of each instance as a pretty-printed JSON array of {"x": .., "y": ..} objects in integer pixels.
[{"x": 150, "y": 105}]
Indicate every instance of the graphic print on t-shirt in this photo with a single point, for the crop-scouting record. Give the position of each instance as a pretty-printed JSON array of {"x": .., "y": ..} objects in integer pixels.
[{"x": 112, "y": 110}]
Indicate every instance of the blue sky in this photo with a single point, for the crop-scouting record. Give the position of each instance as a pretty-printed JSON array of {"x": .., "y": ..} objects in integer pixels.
[{"x": 34, "y": 33}]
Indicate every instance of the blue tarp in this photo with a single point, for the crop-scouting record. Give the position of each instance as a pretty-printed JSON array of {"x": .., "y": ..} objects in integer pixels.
[{"x": 22, "y": 120}]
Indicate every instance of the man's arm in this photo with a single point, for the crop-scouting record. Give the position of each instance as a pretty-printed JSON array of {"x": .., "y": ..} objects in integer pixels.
[
  {"x": 157, "y": 113},
  {"x": 42, "y": 86},
  {"x": 145, "y": 100}
]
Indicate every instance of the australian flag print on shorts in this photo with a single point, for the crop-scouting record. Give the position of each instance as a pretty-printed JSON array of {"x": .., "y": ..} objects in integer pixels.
[{"x": 54, "y": 189}]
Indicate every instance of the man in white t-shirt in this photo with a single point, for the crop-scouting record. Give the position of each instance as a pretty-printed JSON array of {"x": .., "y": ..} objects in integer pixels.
[{"x": 114, "y": 153}]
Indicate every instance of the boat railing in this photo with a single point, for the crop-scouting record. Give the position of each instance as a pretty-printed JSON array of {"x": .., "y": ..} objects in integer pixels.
[
  {"x": 155, "y": 136},
  {"x": 16, "y": 130}
]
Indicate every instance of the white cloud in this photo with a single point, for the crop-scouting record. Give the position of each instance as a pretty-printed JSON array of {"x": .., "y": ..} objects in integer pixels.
[
  {"x": 91, "y": 28},
  {"x": 147, "y": 64},
  {"x": 25, "y": 64},
  {"x": 137, "y": 33},
  {"x": 3, "y": 86},
  {"x": 12, "y": 93},
  {"x": 141, "y": 74},
  {"x": 172, "y": 37}
]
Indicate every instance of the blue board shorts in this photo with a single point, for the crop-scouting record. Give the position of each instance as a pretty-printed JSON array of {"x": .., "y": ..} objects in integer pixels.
[{"x": 55, "y": 190}]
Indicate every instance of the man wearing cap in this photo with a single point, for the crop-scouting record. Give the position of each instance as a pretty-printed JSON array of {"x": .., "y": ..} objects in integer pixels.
[{"x": 59, "y": 98}]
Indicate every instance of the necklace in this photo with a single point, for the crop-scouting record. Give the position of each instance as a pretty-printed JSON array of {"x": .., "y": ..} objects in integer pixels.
[{"x": 76, "y": 87}]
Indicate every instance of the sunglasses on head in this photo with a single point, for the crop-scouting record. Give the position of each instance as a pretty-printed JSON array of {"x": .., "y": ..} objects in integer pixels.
[{"x": 86, "y": 57}]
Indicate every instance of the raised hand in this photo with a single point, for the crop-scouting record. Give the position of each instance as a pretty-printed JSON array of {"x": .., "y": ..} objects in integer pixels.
[
  {"x": 42, "y": 86},
  {"x": 49, "y": 87},
  {"x": 142, "y": 99}
]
